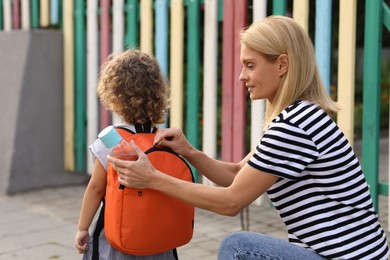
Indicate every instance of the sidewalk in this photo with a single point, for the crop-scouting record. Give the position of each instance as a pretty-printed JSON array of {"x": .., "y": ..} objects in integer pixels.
[{"x": 41, "y": 224}]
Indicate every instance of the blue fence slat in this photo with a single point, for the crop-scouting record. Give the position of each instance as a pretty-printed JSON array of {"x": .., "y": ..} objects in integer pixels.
[{"x": 323, "y": 31}]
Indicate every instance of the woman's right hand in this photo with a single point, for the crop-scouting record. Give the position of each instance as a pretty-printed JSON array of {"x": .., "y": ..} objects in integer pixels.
[{"x": 174, "y": 139}]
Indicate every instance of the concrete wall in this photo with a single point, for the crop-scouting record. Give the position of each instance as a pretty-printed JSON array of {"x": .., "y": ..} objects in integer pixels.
[{"x": 31, "y": 107}]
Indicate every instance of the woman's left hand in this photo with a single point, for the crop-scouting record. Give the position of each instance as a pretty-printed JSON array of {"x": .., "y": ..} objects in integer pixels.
[{"x": 134, "y": 174}]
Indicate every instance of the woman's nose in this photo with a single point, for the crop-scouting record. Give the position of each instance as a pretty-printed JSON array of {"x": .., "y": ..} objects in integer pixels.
[{"x": 243, "y": 76}]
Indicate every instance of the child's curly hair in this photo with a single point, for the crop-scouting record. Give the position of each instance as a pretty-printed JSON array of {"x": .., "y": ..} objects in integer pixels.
[{"x": 131, "y": 85}]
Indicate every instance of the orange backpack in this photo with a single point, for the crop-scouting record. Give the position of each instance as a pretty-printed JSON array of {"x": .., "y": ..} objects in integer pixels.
[{"x": 143, "y": 221}]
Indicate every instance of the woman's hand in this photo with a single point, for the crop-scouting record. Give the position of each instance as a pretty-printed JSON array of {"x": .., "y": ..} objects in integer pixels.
[
  {"x": 134, "y": 174},
  {"x": 174, "y": 139}
]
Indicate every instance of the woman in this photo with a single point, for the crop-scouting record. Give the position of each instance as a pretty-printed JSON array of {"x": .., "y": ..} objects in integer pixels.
[{"x": 304, "y": 162}]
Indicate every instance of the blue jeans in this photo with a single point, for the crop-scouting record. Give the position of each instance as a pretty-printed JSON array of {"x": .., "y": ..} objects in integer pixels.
[{"x": 249, "y": 245}]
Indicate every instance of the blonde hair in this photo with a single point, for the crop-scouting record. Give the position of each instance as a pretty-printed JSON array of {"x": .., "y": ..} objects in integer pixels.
[
  {"x": 277, "y": 35},
  {"x": 132, "y": 85}
]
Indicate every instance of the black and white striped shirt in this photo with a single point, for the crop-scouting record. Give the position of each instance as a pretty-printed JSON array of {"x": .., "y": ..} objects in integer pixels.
[{"x": 321, "y": 195}]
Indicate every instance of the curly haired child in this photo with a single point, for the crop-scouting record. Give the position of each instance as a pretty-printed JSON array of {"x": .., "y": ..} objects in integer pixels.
[{"x": 132, "y": 86}]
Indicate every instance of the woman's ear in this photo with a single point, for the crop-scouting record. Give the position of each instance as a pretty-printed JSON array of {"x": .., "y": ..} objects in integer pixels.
[{"x": 283, "y": 64}]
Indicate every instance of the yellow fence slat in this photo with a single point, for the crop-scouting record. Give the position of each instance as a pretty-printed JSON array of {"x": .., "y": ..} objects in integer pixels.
[
  {"x": 44, "y": 12},
  {"x": 146, "y": 29},
  {"x": 176, "y": 57},
  {"x": 301, "y": 13},
  {"x": 346, "y": 67},
  {"x": 69, "y": 160}
]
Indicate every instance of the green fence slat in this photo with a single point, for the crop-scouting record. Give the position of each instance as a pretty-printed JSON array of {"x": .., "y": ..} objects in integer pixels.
[
  {"x": 1, "y": 15},
  {"x": 61, "y": 24},
  {"x": 80, "y": 83},
  {"x": 386, "y": 16},
  {"x": 132, "y": 30},
  {"x": 371, "y": 95},
  {"x": 193, "y": 64},
  {"x": 279, "y": 7},
  {"x": 220, "y": 10},
  {"x": 34, "y": 14}
]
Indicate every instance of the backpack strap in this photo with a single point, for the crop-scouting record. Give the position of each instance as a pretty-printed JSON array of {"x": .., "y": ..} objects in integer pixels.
[
  {"x": 124, "y": 128},
  {"x": 140, "y": 128},
  {"x": 96, "y": 233},
  {"x": 174, "y": 251},
  {"x": 143, "y": 128}
]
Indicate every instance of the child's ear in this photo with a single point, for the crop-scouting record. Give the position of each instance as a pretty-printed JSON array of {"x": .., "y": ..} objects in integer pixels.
[{"x": 283, "y": 64}]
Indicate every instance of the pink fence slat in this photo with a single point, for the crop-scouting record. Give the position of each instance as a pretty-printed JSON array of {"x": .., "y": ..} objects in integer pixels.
[
  {"x": 16, "y": 15},
  {"x": 105, "y": 47},
  {"x": 239, "y": 90},
  {"x": 227, "y": 80}
]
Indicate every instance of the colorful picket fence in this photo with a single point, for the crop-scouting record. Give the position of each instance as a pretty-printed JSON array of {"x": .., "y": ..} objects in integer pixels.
[{"x": 188, "y": 50}]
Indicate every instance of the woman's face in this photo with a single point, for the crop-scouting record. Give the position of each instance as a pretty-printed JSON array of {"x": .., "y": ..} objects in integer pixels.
[{"x": 262, "y": 77}]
